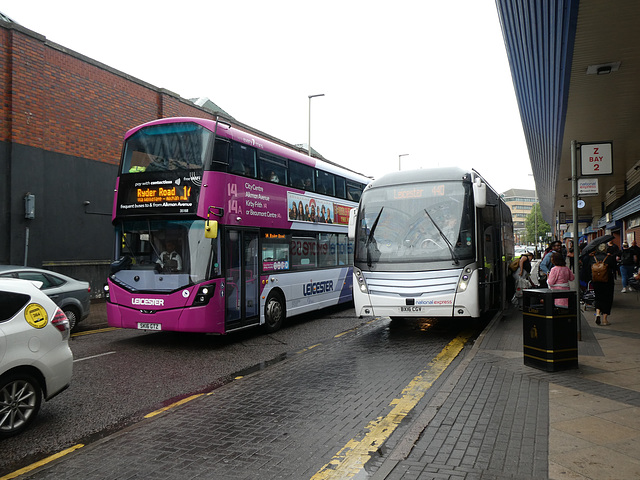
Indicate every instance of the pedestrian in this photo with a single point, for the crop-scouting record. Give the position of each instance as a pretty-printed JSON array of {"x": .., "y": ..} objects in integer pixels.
[
  {"x": 545, "y": 264},
  {"x": 628, "y": 262},
  {"x": 636, "y": 251},
  {"x": 603, "y": 290},
  {"x": 569, "y": 257},
  {"x": 559, "y": 277},
  {"x": 522, "y": 277}
]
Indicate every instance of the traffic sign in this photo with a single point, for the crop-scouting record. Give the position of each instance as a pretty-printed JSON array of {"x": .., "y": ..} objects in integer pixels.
[{"x": 596, "y": 159}]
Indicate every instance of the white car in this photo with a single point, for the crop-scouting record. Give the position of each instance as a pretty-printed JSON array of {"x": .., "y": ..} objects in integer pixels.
[{"x": 35, "y": 359}]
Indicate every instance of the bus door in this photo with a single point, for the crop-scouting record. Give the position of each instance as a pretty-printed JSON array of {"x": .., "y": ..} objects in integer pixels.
[{"x": 241, "y": 274}]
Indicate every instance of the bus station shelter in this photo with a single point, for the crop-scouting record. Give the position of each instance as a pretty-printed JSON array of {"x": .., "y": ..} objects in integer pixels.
[{"x": 575, "y": 66}]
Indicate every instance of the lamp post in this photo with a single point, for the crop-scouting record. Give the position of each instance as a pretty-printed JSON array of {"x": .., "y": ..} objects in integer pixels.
[
  {"x": 309, "y": 143},
  {"x": 400, "y": 158}
]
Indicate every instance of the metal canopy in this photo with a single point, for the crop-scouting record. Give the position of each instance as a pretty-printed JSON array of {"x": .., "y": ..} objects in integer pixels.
[{"x": 576, "y": 68}]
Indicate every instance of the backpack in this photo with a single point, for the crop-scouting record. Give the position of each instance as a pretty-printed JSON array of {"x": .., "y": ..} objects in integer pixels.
[
  {"x": 515, "y": 263},
  {"x": 600, "y": 271}
]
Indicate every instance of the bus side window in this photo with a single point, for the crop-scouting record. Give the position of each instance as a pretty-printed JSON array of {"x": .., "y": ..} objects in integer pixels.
[
  {"x": 273, "y": 168},
  {"x": 325, "y": 183},
  {"x": 341, "y": 189},
  {"x": 243, "y": 160},
  {"x": 354, "y": 191},
  {"x": 220, "y": 160},
  {"x": 301, "y": 176}
]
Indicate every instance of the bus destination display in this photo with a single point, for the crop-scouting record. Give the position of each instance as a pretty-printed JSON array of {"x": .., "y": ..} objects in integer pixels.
[{"x": 162, "y": 194}]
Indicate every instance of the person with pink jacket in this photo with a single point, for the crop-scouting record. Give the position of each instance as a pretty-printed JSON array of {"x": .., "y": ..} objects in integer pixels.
[{"x": 559, "y": 277}]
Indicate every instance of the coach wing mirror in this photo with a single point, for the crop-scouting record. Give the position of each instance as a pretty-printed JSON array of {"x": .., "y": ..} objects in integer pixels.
[
  {"x": 480, "y": 193},
  {"x": 211, "y": 229},
  {"x": 353, "y": 215}
]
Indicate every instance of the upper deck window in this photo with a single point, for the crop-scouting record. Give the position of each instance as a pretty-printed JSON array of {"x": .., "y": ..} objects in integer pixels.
[{"x": 163, "y": 148}]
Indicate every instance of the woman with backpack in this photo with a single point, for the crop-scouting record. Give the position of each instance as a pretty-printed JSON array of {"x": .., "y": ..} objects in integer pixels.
[{"x": 602, "y": 267}]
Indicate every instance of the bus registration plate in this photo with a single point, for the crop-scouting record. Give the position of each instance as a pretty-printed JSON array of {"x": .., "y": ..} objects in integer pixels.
[
  {"x": 410, "y": 309},
  {"x": 149, "y": 326}
]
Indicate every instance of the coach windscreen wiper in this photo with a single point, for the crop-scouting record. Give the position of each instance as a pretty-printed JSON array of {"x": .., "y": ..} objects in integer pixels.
[
  {"x": 367, "y": 245},
  {"x": 454, "y": 257}
]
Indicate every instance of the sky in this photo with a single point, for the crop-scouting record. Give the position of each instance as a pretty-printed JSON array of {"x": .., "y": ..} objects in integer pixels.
[{"x": 425, "y": 79}]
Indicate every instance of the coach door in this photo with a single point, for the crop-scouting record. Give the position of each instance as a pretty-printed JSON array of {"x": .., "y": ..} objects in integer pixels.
[
  {"x": 241, "y": 273},
  {"x": 490, "y": 284}
]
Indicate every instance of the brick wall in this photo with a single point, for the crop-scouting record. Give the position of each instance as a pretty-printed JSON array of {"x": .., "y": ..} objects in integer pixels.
[{"x": 63, "y": 102}]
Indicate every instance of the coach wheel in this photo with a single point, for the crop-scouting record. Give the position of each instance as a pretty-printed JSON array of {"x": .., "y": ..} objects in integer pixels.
[
  {"x": 20, "y": 396},
  {"x": 274, "y": 312}
]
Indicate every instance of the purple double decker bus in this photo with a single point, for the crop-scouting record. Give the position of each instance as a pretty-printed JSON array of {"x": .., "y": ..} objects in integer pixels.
[{"x": 219, "y": 227}]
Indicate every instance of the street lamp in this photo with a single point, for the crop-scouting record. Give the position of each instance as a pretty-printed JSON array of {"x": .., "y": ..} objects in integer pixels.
[
  {"x": 400, "y": 158},
  {"x": 310, "y": 97}
]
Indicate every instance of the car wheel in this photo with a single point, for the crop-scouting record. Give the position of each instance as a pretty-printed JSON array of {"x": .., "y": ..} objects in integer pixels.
[
  {"x": 72, "y": 315},
  {"x": 20, "y": 398},
  {"x": 274, "y": 312}
]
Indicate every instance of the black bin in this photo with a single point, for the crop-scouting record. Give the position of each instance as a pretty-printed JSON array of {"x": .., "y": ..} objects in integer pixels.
[{"x": 550, "y": 329}]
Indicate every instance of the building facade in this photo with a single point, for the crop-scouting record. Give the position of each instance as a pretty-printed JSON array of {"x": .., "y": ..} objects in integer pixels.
[
  {"x": 521, "y": 203},
  {"x": 62, "y": 120}
]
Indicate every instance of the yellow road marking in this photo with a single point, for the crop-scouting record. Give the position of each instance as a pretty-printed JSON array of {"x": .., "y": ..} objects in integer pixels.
[
  {"x": 354, "y": 455},
  {"x": 89, "y": 332},
  {"x": 33, "y": 466},
  {"x": 168, "y": 407},
  {"x": 309, "y": 348}
]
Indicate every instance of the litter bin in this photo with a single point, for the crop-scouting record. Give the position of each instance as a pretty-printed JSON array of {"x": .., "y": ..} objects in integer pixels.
[{"x": 550, "y": 321}]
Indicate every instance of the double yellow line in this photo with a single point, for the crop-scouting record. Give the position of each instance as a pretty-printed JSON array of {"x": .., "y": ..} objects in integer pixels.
[{"x": 351, "y": 459}]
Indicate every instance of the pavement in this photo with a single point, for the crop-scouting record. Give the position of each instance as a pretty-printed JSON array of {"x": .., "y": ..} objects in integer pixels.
[
  {"x": 490, "y": 417},
  {"x": 579, "y": 423}
]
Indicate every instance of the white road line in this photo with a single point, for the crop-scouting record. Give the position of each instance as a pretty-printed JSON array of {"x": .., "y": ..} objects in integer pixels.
[{"x": 93, "y": 356}]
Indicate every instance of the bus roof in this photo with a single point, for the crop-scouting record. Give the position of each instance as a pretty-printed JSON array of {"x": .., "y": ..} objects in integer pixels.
[
  {"x": 421, "y": 175},
  {"x": 232, "y": 129}
]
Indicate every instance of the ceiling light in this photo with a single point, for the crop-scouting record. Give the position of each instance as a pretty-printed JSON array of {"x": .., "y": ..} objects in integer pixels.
[{"x": 603, "y": 68}]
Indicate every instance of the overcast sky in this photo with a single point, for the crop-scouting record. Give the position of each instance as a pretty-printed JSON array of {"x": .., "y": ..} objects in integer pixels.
[{"x": 427, "y": 78}]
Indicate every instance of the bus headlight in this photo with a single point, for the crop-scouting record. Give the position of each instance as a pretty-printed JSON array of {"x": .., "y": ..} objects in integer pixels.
[
  {"x": 105, "y": 290},
  {"x": 362, "y": 285},
  {"x": 463, "y": 283},
  {"x": 205, "y": 292}
]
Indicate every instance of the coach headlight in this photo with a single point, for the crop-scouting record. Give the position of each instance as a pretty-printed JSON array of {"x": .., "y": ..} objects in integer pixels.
[
  {"x": 362, "y": 285},
  {"x": 464, "y": 282}
]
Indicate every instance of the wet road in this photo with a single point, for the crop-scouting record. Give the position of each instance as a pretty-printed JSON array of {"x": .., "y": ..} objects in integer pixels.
[{"x": 122, "y": 375}]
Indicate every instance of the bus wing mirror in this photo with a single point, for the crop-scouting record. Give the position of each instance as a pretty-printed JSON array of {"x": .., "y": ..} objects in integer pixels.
[
  {"x": 211, "y": 229},
  {"x": 480, "y": 193},
  {"x": 353, "y": 215}
]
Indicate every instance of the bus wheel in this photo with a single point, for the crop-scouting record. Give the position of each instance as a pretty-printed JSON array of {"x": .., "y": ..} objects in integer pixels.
[{"x": 274, "y": 312}]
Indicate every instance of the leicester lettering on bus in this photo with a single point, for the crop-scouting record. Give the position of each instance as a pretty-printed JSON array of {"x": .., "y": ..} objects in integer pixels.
[
  {"x": 314, "y": 288},
  {"x": 148, "y": 301}
]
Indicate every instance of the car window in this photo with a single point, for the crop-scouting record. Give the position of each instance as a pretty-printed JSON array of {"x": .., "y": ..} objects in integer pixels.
[
  {"x": 37, "y": 277},
  {"x": 55, "y": 281},
  {"x": 11, "y": 303}
]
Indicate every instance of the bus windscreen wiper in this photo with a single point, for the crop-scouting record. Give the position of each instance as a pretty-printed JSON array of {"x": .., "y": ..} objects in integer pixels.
[
  {"x": 370, "y": 237},
  {"x": 454, "y": 257}
]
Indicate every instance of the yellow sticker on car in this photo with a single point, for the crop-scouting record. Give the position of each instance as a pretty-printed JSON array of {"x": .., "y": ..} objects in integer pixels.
[{"x": 36, "y": 315}]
